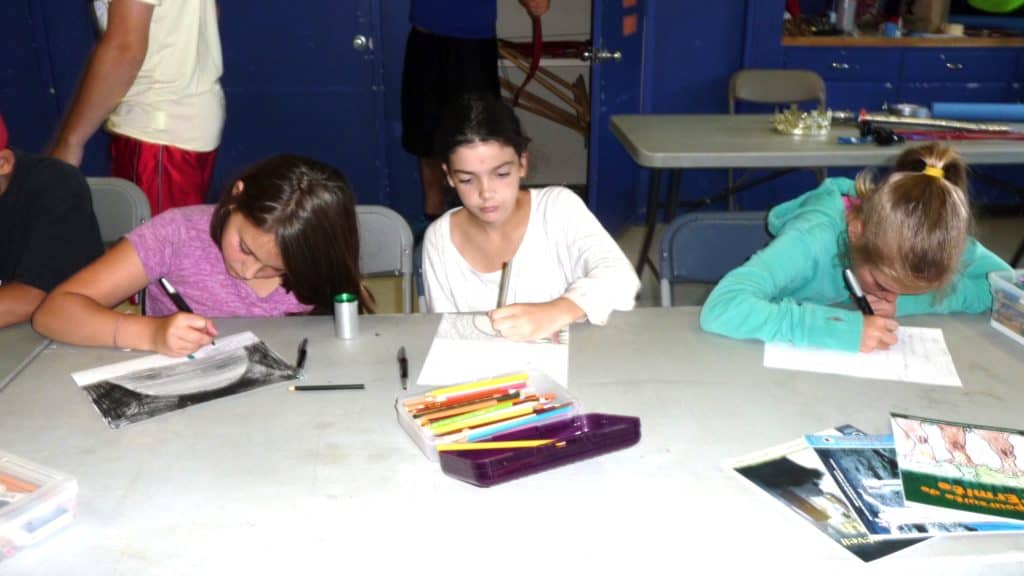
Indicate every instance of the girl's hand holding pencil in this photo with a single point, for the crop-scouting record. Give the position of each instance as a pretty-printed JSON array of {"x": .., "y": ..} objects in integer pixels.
[
  {"x": 181, "y": 334},
  {"x": 883, "y": 306},
  {"x": 879, "y": 333},
  {"x": 529, "y": 322}
]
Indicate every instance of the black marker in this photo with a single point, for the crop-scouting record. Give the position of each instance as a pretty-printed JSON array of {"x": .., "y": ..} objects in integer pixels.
[
  {"x": 403, "y": 368},
  {"x": 178, "y": 300},
  {"x": 858, "y": 295},
  {"x": 174, "y": 296},
  {"x": 300, "y": 362}
]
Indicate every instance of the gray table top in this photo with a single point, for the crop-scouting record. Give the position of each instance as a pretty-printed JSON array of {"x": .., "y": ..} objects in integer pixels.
[
  {"x": 320, "y": 482},
  {"x": 748, "y": 141},
  {"x": 19, "y": 344}
]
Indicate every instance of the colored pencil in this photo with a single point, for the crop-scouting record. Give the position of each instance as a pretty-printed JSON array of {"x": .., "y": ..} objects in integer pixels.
[
  {"x": 430, "y": 402},
  {"x": 488, "y": 383},
  {"x": 460, "y": 446},
  {"x": 429, "y": 414},
  {"x": 506, "y": 413},
  {"x": 489, "y": 431},
  {"x": 14, "y": 484}
]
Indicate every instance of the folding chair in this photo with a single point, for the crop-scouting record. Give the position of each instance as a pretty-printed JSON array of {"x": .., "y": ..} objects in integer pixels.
[
  {"x": 385, "y": 247},
  {"x": 704, "y": 246},
  {"x": 421, "y": 292},
  {"x": 775, "y": 86},
  {"x": 120, "y": 206}
]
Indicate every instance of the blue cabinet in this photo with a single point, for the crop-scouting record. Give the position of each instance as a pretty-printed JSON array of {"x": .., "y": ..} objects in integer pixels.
[
  {"x": 877, "y": 64},
  {"x": 854, "y": 78},
  {"x": 860, "y": 73}
]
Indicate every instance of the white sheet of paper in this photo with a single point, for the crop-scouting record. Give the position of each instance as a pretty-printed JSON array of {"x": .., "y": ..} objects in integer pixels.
[
  {"x": 465, "y": 348},
  {"x": 225, "y": 345},
  {"x": 920, "y": 355}
]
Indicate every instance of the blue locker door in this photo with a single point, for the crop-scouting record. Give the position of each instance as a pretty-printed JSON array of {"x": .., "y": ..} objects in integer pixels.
[
  {"x": 27, "y": 100},
  {"x": 304, "y": 78},
  {"x": 617, "y": 28}
]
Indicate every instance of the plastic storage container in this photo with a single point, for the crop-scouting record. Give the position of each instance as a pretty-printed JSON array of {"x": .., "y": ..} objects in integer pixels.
[
  {"x": 578, "y": 438},
  {"x": 34, "y": 503},
  {"x": 1008, "y": 303},
  {"x": 534, "y": 382}
]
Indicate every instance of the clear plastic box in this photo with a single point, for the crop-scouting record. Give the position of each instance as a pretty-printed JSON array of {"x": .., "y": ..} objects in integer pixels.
[
  {"x": 1008, "y": 303},
  {"x": 34, "y": 502},
  {"x": 535, "y": 381}
]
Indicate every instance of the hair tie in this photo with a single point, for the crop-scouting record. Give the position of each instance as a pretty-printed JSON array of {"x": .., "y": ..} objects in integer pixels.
[{"x": 934, "y": 171}]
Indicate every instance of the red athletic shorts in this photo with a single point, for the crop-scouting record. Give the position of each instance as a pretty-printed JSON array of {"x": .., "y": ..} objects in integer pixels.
[{"x": 169, "y": 176}]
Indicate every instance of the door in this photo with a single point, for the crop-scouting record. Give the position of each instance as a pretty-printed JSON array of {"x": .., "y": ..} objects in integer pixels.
[
  {"x": 304, "y": 77},
  {"x": 27, "y": 100},
  {"x": 615, "y": 80}
]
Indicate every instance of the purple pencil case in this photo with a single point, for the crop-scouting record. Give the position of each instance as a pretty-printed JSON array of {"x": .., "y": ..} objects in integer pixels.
[{"x": 577, "y": 438}]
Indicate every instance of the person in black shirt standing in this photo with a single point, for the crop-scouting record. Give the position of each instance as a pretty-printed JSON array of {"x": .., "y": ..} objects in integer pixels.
[{"x": 47, "y": 229}]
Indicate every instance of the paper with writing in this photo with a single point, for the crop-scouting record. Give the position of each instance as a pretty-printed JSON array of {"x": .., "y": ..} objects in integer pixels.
[{"x": 920, "y": 355}]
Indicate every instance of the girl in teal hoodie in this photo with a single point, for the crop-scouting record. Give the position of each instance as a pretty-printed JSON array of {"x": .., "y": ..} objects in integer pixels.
[{"x": 906, "y": 239}]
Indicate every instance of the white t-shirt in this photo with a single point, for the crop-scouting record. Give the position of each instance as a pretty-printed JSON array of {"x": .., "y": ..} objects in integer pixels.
[
  {"x": 565, "y": 252},
  {"x": 176, "y": 98}
]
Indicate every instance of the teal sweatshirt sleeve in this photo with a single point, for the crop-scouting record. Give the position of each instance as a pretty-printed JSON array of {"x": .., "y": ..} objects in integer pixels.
[
  {"x": 969, "y": 291},
  {"x": 755, "y": 300}
]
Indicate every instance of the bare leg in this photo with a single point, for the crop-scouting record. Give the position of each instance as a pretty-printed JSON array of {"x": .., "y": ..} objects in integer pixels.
[{"x": 432, "y": 176}]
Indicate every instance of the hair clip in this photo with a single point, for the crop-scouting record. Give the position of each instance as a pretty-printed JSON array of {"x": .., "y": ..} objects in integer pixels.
[{"x": 934, "y": 171}]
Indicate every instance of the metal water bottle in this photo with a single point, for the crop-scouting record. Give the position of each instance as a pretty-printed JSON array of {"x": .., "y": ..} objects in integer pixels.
[{"x": 346, "y": 316}]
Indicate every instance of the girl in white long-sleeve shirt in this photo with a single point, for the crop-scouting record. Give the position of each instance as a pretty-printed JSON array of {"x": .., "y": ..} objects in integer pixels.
[{"x": 564, "y": 266}]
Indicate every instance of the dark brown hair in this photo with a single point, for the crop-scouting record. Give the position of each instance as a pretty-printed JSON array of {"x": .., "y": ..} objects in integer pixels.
[
  {"x": 915, "y": 223},
  {"x": 479, "y": 117},
  {"x": 310, "y": 209}
]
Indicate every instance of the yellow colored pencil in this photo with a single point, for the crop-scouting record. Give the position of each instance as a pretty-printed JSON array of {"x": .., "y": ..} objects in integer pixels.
[
  {"x": 484, "y": 419},
  {"x": 478, "y": 385},
  {"x": 459, "y": 446}
]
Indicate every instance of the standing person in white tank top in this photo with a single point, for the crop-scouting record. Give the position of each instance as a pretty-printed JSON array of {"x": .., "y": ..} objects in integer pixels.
[{"x": 154, "y": 80}]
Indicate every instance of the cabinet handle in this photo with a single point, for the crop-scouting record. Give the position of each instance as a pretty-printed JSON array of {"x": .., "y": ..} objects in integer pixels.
[
  {"x": 954, "y": 66},
  {"x": 840, "y": 65}
]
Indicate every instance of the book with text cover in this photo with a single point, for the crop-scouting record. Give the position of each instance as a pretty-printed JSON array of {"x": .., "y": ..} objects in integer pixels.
[
  {"x": 794, "y": 475},
  {"x": 961, "y": 466},
  {"x": 866, "y": 471}
]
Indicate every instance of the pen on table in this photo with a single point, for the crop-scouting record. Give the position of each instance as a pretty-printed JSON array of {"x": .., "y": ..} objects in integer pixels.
[
  {"x": 506, "y": 271},
  {"x": 300, "y": 361},
  {"x": 178, "y": 300},
  {"x": 858, "y": 295},
  {"x": 403, "y": 368},
  {"x": 317, "y": 387}
]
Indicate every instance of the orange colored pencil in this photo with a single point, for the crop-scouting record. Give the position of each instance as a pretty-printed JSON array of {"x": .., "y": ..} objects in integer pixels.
[{"x": 17, "y": 484}]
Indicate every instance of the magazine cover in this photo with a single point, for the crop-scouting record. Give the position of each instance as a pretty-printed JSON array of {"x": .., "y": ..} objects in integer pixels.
[
  {"x": 794, "y": 475},
  {"x": 866, "y": 471},
  {"x": 961, "y": 466}
]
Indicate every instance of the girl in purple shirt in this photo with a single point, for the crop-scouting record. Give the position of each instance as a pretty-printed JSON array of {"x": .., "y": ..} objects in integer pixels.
[{"x": 283, "y": 241}]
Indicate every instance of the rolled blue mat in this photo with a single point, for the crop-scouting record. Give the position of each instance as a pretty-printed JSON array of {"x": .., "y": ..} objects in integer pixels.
[{"x": 978, "y": 111}]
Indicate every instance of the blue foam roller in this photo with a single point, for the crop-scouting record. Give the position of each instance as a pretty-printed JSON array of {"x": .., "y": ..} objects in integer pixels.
[{"x": 978, "y": 111}]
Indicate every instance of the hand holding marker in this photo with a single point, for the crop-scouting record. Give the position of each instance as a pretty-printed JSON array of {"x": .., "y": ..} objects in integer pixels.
[
  {"x": 183, "y": 306},
  {"x": 858, "y": 295}
]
